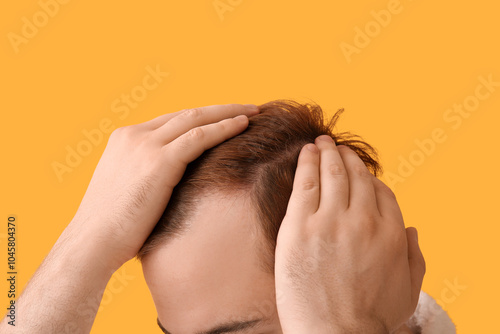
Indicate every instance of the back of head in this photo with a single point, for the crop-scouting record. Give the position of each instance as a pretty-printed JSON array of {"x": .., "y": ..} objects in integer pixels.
[{"x": 261, "y": 161}]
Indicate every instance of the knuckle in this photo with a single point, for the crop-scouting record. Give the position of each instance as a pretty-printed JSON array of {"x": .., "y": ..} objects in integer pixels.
[
  {"x": 362, "y": 171},
  {"x": 123, "y": 132},
  {"x": 398, "y": 238},
  {"x": 385, "y": 189},
  {"x": 336, "y": 169},
  {"x": 388, "y": 191},
  {"x": 367, "y": 222},
  {"x": 368, "y": 216},
  {"x": 193, "y": 113},
  {"x": 223, "y": 124},
  {"x": 181, "y": 145},
  {"x": 117, "y": 132},
  {"x": 196, "y": 134},
  {"x": 309, "y": 183}
]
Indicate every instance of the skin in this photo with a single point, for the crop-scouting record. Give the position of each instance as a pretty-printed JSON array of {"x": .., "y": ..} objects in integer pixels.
[
  {"x": 125, "y": 198},
  {"x": 219, "y": 279},
  {"x": 344, "y": 260},
  {"x": 127, "y": 195},
  {"x": 210, "y": 288}
]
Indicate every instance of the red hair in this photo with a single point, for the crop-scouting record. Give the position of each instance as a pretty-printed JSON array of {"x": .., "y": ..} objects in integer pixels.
[{"x": 260, "y": 161}]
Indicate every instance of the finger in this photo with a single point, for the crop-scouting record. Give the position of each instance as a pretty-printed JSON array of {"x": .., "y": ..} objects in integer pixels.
[
  {"x": 155, "y": 123},
  {"x": 334, "y": 196},
  {"x": 417, "y": 264},
  {"x": 190, "y": 145},
  {"x": 192, "y": 118},
  {"x": 304, "y": 199},
  {"x": 361, "y": 190},
  {"x": 386, "y": 199}
]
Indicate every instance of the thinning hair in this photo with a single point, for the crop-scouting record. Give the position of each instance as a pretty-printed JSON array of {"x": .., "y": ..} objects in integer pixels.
[{"x": 260, "y": 161}]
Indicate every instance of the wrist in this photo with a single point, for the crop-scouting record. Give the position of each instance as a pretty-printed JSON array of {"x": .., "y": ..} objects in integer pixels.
[{"x": 84, "y": 244}]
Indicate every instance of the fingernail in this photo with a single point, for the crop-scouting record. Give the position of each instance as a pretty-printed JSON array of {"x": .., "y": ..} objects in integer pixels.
[
  {"x": 325, "y": 138},
  {"x": 312, "y": 148},
  {"x": 252, "y": 108},
  {"x": 416, "y": 235}
]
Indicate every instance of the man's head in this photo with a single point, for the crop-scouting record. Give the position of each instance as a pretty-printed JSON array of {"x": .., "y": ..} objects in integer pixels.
[{"x": 210, "y": 259}]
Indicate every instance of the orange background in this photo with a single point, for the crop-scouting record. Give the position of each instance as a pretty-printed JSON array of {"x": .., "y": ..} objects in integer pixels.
[{"x": 397, "y": 87}]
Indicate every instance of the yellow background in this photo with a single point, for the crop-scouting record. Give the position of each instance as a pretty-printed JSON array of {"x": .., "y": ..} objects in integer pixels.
[{"x": 395, "y": 90}]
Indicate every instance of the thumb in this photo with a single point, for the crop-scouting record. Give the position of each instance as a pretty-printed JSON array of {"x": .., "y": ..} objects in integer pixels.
[{"x": 417, "y": 264}]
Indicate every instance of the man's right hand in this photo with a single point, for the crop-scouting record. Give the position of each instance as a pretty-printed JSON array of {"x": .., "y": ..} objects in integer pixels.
[
  {"x": 139, "y": 168},
  {"x": 129, "y": 191}
]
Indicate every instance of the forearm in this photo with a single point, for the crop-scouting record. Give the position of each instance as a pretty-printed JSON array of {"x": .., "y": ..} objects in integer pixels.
[{"x": 63, "y": 295}]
